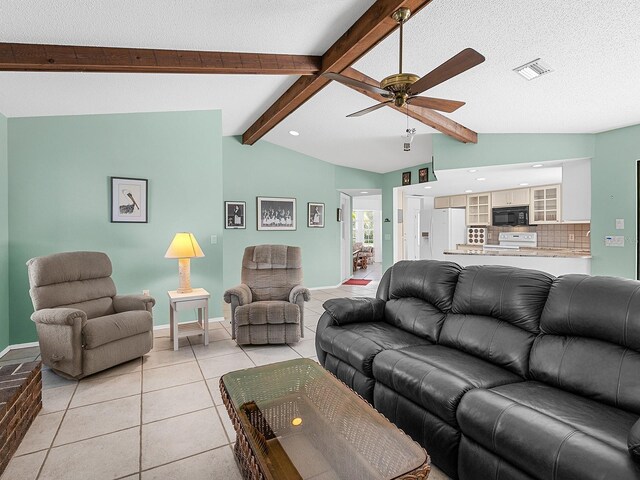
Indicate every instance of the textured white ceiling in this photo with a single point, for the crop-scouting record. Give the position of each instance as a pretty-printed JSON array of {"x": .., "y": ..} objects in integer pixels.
[{"x": 593, "y": 46}]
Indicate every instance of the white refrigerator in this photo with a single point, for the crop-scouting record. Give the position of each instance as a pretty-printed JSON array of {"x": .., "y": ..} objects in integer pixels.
[{"x": 447, "y": 230}]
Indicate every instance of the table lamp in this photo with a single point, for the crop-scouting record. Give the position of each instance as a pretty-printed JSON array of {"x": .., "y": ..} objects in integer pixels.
[{"x": 184, "y": 247}]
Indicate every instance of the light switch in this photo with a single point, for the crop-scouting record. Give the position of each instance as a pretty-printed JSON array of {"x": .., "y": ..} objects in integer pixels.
[
  {"x": 387, "y": 236},
  {"x": 214, "y": 239},
  {"x": 619, "y": 223},
  {"x": 614, "y": 241}
]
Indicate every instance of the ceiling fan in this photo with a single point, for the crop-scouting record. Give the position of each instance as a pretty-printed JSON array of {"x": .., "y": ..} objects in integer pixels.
[{"x": 404, "y": 88}]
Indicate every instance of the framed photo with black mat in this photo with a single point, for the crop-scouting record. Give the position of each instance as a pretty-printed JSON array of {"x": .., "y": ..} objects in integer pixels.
[
  {"x": 275, "y": 213},
  {"x": 129, "y": 200},
  {"x": 406, "y": 178},
  {"x": 315, "y": 215},
  {"x": 423, "y": 175},
  {"x": 235, "y": 213}
]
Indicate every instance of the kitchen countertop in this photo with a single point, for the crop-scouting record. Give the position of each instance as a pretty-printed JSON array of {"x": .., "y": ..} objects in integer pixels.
[{"x": 522, "y": 252}]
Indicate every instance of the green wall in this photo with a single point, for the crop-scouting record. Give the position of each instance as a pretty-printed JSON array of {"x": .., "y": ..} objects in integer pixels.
[
  {"x": 613, "y": 195},
  {"x": 59, "y": 199},
  {"x": 268, "y": 170},
  {"x": 4, "y": 235}
]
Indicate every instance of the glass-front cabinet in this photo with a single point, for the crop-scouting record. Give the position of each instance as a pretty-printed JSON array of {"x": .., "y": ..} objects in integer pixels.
[
  {"x": 479, "y": 209},
  {"x": 545, "y": 205}
]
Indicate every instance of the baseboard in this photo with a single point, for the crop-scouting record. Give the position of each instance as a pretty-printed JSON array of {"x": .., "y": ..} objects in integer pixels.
[
  {"x": 325, "y": 288},
  {"x": 18, "y": 346},
  {"x": 166, "y": 325}
]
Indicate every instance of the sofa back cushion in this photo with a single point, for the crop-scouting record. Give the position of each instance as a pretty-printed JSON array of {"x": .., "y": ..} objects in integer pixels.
[
  {"x": 590, "y": 339},
  {"x": 271, "y": 271},
  {"x": 496, "y": 314},
  {"x": 79, "y": 280},
  {"x": 419, "y": 294}
]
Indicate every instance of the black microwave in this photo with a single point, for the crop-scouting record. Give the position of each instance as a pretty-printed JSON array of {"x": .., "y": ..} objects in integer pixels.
[{"x": 510, "y": 216}]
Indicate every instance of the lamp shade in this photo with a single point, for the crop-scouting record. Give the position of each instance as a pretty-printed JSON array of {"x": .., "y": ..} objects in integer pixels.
[{"x": 184, "y": 245}]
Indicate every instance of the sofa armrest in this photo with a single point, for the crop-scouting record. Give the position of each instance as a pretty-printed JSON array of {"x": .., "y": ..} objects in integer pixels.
[
  {"x": 59, "y": 316},
  {"x": 298, "y": 291},
  {"x": 355, "y": 310},
  {"x": 633, "y": 442},
  {"x": 126, "y": 303},
  {"x": 240, "y": 293}
]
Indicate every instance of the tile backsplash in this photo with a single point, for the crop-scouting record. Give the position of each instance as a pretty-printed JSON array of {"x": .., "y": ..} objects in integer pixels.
[{"x": 551, "y": 236}]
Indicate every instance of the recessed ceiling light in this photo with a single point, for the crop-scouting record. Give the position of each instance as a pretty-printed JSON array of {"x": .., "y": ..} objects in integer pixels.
[
  {"x": 364, "y": 192},
  {"x": 537, "y": 165},
  {"x": 533, "y": 69},
  {"x": 294, "y": 133},
  {"x": 427, "y": 187},
  {"x": 468, "y": 191},
  {"x": 481, "y": 179},
  {"x": 473, "y": 170},
  {"x": 524, "y": 184}
]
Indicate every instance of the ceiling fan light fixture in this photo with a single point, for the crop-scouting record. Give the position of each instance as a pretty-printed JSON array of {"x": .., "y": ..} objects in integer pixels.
[{"x": 534, "y": 69}]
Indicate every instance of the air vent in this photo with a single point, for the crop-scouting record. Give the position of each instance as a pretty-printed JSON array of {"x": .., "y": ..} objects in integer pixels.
[{"x": 533, "y": 69}]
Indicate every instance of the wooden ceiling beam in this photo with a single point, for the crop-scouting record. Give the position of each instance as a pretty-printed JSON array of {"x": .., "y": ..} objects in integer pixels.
[
  {"x": 66, "y": 58},
  {"x": 425, "y": 115},
  {"x": 369, "y": 30}
]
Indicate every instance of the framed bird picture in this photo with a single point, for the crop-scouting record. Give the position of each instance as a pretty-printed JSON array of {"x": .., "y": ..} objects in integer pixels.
[{"x": 129, "y": 200}]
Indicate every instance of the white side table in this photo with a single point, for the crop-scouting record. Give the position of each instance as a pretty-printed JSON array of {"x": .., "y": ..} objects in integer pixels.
[{"x": 197, "y": 299}]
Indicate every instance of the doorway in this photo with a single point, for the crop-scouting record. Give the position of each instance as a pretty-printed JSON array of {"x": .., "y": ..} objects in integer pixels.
[{"x": 345, "y": 238}]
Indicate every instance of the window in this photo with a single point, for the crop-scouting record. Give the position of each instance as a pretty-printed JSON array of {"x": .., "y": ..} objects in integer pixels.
[
  {"x": 367, "y": 227},
  {"x": 363, "y": 226}
]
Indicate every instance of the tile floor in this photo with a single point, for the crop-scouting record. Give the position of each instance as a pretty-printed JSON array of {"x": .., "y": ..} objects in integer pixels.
[{"x": 159, "y": 417}]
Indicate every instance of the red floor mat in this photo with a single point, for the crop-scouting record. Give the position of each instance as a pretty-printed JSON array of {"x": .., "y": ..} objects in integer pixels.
[{"x": 357, "y": 281}]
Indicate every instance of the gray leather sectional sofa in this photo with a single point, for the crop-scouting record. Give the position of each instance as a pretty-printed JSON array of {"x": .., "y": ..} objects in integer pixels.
[{"x": 499, "y": 372}]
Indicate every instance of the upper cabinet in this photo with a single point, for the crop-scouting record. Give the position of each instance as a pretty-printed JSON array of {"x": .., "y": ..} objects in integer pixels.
[
  {"x": 545, "y": 206},
  {"x": 453, "y": 201},
  {"x": 576, "y": 191},
  {"x": 510, "y": 198},
  {"x": 479, "y": 209}
]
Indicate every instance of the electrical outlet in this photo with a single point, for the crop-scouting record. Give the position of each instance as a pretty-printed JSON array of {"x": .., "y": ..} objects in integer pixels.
[
  {"x": 572, "y": 237},
  {"x": 214, "y": 239},
  {"x": 145, "y": 292}
]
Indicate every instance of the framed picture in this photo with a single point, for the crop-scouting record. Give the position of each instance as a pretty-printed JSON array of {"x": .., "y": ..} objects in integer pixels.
[
  {"x": 423, "y": 175},
  {"x": 129, "y": 200},
  {"x": 406, "y": 178},
  {"x": 315, "y": 215},
  {"x": 235, "y": 213},
  {"x": 275, "y": 213}
]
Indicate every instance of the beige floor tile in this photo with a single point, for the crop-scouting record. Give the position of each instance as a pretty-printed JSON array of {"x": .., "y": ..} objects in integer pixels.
[
  {"x": 272, "y": 354},
  {"x": 165, "y": 343},
  {"x": 171, "y": 376},
  {"x": 311, "y": 327},
  {"x": 127, "y": 367},
  {"x": 41, "y": 433},
  {"x": 306, "y": 347},
  {"x": 214, "y": 335},
  {"x": 99, "y": 418},
  {"x": 173, "y": 401},
  {"x": 56, "y": 399},
  {"x": 160, "y": 358},
  {"x": 218, "y": 366},
  {"x": 25, "y": 467},
  {"x": 216, "y": 348},
  {"x": 437, "y": 474},
  {"x": 226, "y": 423},
  {"x": 107, "y": 457},
  {"x": 214, "y": 388},
  {"x": 102, "y": 389},
  {"x": 21, "y": 353},
  {"x": 214, "y": 464},
  {"x": 179, "y": 437},
  {"x": 161, "y": 332},
  {"x": 50, "y": 379}
]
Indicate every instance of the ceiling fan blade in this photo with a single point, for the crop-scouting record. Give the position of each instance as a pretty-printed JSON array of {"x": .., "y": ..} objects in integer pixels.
[
  {"x": 457, "y": 64},
  {"x": 355, "y": 83},
  {"x": 370, "y": 109},
  {"x": 435, "y": 103}
]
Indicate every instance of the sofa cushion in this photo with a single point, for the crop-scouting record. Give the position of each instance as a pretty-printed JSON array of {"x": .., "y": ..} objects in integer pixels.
[
  {"x": 101, "y": 330},
  {"x": 548, "y": 432},
  {"x": 267, "y": 312},
  {"x": 590, "y": 342},
  {"x": 633, "y": 442},
  {"x": 358, "y": 343},
  {"x": 436, "y": 377},
  {"x": 495, "y": 314}
]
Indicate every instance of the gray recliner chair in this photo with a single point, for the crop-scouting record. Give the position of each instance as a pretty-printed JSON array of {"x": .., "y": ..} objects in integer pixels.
[
  {"x": 268, "y": 306},
  {"x": 83, "y": 325}
]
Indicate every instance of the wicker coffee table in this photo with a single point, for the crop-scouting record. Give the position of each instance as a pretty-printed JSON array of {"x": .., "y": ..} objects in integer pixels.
[{"x": 294, "y": 420}]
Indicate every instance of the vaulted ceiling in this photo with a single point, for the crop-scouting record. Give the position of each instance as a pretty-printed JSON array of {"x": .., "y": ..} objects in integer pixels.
[{"x": 591, "y": 45}]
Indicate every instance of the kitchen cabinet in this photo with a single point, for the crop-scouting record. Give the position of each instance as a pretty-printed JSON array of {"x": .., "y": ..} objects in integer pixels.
[
  {"x": 545, "y": 206},
  {"x": 509, "y": 198},
  {"x": 452, "y": 201},
  {"x": 479, "y": 209}
]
